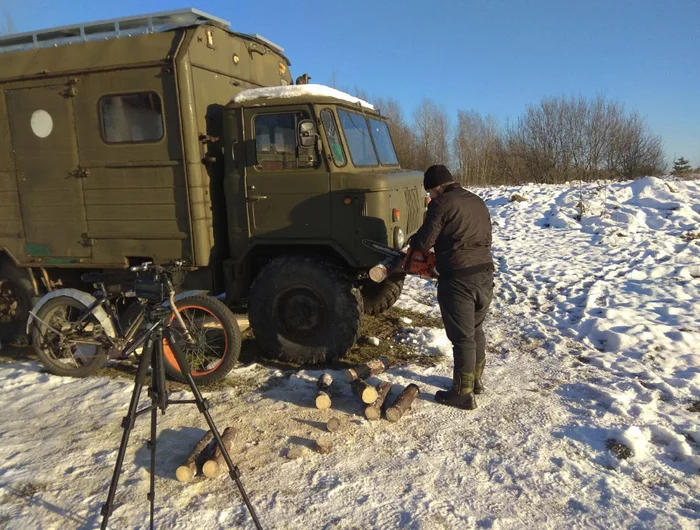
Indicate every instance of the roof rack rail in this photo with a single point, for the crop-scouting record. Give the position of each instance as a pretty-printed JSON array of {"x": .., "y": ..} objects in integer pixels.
[{"x": 109, "y": 29}]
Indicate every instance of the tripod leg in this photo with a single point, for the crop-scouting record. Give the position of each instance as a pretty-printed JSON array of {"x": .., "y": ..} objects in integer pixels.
[
  {"x": 159, "y": 399},
  {"x": 152, "y": 445},
  {"x": 128, "y": 425},
  {"x": 203, "y": 407}
]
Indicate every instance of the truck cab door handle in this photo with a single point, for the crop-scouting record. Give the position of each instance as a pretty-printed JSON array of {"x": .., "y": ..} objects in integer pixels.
[{"x": 254, "y": 198}]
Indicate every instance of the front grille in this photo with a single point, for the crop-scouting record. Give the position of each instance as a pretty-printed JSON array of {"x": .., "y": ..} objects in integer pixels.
[{"x": 414, "y": 205}]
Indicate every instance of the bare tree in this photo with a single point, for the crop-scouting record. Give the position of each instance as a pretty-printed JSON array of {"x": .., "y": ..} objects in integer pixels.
[
  {"x": 477, "y": 147},
  {"x": 564, "y": 139},
  {"x": 432, "y": 131},
  {"x": 7, "y": 25}
]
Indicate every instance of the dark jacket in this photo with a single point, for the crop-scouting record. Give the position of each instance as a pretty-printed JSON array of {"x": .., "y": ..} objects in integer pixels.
[{"x": 458, "y": 227}]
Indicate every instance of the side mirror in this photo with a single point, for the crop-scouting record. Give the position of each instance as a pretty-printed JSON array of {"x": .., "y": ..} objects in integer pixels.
[{"x": 307, "y": 133}]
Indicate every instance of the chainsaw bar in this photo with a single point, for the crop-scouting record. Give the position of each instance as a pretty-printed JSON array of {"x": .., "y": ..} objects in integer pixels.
[{"x": 388, "y": 251}]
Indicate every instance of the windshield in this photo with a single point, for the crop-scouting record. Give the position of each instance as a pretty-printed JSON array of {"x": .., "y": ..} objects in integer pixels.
[
  {"x": 382, "y": 140},
  {"x": 358, "y": 138}
]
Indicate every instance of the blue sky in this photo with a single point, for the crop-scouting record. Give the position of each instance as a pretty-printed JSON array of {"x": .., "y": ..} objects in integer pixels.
[{"x": 495, "y": 56}]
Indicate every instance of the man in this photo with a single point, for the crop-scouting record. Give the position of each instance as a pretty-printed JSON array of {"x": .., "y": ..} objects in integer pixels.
[{"x": 458, "y": 227}]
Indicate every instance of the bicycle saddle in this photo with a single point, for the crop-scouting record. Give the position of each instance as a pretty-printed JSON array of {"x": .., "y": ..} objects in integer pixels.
[{"x": 92, "y": 277}]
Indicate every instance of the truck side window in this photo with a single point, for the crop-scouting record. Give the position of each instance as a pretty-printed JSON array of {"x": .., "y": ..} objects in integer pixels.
[
  {"x": 276, "y": 142},
  {"x": 130, "y": 118},
  {"x": 333, "y": 138}
]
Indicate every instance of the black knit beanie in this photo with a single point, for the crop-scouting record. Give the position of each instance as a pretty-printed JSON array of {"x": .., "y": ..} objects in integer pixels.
[{"x": 435, "y": 176}]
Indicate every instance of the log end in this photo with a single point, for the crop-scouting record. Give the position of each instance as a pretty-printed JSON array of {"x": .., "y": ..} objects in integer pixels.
[
  {"x": 373, "y": 413},
  {"x": 333, "y": 425},
  {"x": 369, "y": 395},
  {"x": 184, "y": 474},
  {"x": 210, "y": 468},
  {"x": 323, "y": 401},
  {"x": 393, "y": 414},
  {"x": 296, "y": 452},
  {"x": 324, "y": 446}
]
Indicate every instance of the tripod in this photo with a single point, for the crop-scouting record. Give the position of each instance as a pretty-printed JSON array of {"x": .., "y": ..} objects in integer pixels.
[{"x": 152, "y": 357}]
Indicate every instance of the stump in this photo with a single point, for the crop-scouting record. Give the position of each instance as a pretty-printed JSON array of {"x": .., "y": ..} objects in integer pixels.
[
  {"x": 402, "y": 403},
  {"x": 216, "y": 463},
  {"x": 374, "y": 411},
  {"x": 367, "y": 392},
  {"x": 187, "y": 471},
  {"x": 324, "y": 445},
  {"x": 323, "y": 400},
  {"x": 367, "y": 370}
]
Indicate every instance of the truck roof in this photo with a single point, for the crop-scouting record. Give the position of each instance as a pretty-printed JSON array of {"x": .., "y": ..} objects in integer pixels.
[
  {"x": 286, "y": 94},
  {"x": 122, "y": 42}
]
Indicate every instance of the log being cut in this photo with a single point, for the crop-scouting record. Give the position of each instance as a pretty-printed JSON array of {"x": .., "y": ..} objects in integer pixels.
[
  {"x": 402, "y": 403},
  {"x": 187, "y": 471},
  {"x": 367, "y": 392},
  {"x": 367, "y": 370},
  {"x": 213, "y": 466},
  {"x": 323, "y": 400},
  {"x": 374, "y": 411}
]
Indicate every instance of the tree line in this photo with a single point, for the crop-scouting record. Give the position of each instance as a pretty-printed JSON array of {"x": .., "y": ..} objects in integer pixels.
[{"x": 559, "y": 139}]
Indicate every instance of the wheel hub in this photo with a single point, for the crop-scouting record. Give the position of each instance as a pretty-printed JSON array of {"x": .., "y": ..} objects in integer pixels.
[{"x": 301, "y": 313}]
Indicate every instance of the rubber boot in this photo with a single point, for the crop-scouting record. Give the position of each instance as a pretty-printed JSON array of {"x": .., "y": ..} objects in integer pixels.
[
  {"x": 461, "y": 395},
  {"x": 478, "y": 374}
]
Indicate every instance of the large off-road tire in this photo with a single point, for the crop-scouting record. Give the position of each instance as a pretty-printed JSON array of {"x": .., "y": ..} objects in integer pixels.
[
  {"x": 67, "y": 356},
  {"x": 378, "y": 297},
  {"x": 16, "y": 300},
  {"x": 304, "y": 310},
  {"x": 217, "y": 340}
]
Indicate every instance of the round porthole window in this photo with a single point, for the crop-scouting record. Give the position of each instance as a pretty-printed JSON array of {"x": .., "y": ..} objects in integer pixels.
[{"x": 42, "y": 124}]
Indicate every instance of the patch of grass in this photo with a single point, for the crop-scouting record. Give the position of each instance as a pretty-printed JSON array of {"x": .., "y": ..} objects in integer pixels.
[
  {"x": 385, "y": 327},
  {"x": 620, "y": 450}
]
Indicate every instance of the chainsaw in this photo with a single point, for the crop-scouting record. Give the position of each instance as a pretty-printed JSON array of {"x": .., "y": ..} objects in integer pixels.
[{"x": 412, "y": 261}]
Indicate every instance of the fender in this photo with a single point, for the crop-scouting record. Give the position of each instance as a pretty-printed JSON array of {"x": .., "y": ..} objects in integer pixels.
[
  {"x": 84, "y": 298},
  {"x": 184, "y": 294}
]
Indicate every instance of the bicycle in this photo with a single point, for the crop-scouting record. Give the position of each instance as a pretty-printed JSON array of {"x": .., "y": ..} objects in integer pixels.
[{"x": 74, "y": 333}]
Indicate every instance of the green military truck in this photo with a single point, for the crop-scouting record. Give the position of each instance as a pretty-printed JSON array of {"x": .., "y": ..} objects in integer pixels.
[{"x": 169, "y": 136}]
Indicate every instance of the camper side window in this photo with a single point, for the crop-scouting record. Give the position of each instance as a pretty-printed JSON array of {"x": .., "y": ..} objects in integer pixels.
[{"x": 131, "y": 118}]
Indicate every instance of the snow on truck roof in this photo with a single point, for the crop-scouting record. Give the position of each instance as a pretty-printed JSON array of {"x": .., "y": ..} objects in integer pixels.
[{"x": 297, "y": 91}]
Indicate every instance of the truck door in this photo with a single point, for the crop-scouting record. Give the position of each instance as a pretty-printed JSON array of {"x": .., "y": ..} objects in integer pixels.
[
  {"x": 136, "y": 198},
  {"x": 287, "y": 186},
  {"x": 49, "y": 177}
]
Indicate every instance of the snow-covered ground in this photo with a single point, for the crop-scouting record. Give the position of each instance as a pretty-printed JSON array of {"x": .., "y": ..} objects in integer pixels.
[{"x": 594, "y": 335}]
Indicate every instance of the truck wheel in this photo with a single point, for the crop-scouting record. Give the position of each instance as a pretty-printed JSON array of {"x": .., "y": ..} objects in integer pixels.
[
  {"x": 378, "y": 297},
  {"x": 304, "y": 311},
  {"x": 16, "y": 300}
]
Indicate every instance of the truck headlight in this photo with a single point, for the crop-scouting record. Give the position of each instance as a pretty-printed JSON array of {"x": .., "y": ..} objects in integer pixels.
[{"x": 399, "y": 238}]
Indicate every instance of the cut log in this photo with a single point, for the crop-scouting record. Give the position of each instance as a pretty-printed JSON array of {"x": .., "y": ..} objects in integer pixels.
[
  {"x": 374, "y": 411},
  {"x": 402, "y": 403},
  {"x": 213, "y": 466},
  {"x": 367, "y": 392},
  {"x": 324, "y": 445},
  {"x": 187, "y": 471},
  {"x": 363, "y": 371},
  {"x": 296, "y": 452},
  {"x": 333, "y": 424},
  {"x": 323, "y": 400}
]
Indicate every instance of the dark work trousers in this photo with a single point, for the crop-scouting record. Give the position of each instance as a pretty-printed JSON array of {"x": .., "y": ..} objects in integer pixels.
[{"x": 464, "y": 303}]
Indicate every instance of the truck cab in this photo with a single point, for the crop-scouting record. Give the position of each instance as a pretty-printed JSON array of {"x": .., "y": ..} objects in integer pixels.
[{"x": 309, "y": 173}]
